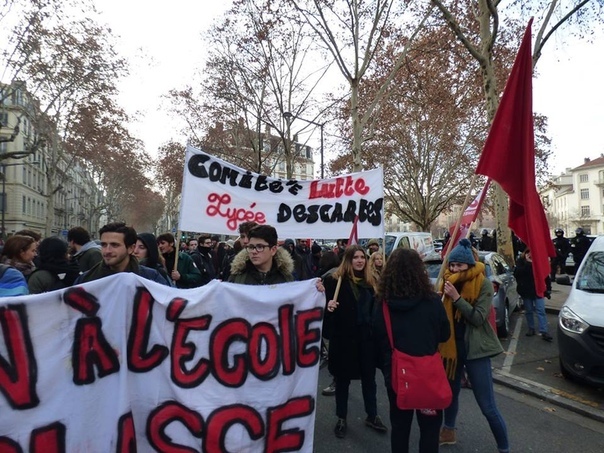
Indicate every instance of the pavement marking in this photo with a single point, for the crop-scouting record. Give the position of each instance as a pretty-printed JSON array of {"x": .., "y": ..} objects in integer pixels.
[{"x": 511, "y": 352}]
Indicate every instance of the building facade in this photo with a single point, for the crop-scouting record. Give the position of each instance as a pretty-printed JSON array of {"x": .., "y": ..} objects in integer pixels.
[
  {"x": 27, "y": 189},
  {"x": 576, "y": 198}
]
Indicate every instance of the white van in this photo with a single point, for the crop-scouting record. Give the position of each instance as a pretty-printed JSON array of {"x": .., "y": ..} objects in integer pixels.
[
  {"x": 581, "y": 320},
  {"x": 420, "y": 241}
]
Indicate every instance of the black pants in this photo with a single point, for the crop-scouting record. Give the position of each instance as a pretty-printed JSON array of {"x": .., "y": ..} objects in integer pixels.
[
  {"x": 368, "y": 385},
  {"x": 429, "y": 427}
]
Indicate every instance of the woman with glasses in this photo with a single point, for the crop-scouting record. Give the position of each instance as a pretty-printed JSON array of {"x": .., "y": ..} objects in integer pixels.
[
  {"x": 347, "y": 326},
  {"x": 468, "y": 298},
  {"x": 265, "y": 263}
]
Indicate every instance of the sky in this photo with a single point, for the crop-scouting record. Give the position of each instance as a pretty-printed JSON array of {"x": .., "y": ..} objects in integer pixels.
[{"x": 163, "y": 46}]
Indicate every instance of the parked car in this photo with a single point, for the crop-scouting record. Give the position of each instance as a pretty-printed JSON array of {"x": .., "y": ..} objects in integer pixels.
[
  {"x": 505, "y": 293},
  {"x": 581, "y": 320},
  {"x": 438, "y": 245}
]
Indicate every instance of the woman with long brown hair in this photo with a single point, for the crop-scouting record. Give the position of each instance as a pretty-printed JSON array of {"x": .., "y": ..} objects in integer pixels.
[
  {"x": 19, "y": 252},
  {"x": 418, "y": 323},
  {"x": 348, "y": 326}
]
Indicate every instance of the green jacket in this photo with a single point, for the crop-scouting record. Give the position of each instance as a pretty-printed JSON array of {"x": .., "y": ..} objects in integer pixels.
[
  {"x": 480, "y": 338},
  {"x": 190, "y": 276},
  {"x": 88, "y": 256},
  {"x": 244, "y": 272}
]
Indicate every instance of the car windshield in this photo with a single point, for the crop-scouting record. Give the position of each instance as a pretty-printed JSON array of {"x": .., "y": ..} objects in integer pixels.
[
  {"x": 390, "y": 240},
  {"x": 591, "y": 278}
]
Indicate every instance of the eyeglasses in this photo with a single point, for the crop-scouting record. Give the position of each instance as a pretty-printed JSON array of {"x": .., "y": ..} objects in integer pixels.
[{"x": 257, "y": 248}]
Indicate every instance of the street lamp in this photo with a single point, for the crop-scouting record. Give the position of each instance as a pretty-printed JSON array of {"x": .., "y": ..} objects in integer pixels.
[
  {"x": 3, "y": 166},
  {"x": 289, "y": 116}
]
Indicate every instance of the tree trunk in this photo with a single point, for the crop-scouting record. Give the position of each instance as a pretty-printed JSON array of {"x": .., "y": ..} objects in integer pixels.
[{"x": 357, "y": 127}]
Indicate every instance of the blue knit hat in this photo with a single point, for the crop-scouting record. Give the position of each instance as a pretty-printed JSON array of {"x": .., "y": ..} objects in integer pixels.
[{"x": 462, "y": 253}]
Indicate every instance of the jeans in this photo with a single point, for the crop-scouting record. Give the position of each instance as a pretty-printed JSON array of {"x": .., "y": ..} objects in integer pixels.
[
  {"x": 429, "y": 422},
  {"x": 479, "y": 374},
  {"x": 535, "y": 305}
]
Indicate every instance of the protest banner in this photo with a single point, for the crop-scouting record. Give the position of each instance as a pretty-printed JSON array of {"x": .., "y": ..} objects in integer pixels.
[
  {"x": 124, "y": 364},
  {"x": 218, "y": 196}
]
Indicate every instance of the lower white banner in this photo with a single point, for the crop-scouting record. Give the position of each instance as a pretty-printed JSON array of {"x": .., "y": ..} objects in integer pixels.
[{"x": 124, "y": 364}]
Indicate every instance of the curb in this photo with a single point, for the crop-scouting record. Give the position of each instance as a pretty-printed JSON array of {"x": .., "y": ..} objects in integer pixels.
[{"x": 546, "y": 393}]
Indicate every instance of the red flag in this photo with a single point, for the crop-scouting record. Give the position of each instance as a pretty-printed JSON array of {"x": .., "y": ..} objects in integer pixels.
[
  {"x": 468, "y": 217},
  {"x": 353, "y": 239},
  {"x": 508, "y": 157}
]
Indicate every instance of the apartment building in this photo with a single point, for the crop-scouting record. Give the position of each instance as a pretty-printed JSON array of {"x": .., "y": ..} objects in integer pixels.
[
  {"x": 27, "y": 189},
  {"x": 576, "y": 198}
]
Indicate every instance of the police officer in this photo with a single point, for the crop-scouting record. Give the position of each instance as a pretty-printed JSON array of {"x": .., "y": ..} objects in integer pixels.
[
  {"x": 562, "y": 246},
  {"x": 486, "y": 241},
  {"x": 579, "y": 246}
]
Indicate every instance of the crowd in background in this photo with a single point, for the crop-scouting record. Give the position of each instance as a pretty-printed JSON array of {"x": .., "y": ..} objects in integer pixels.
[{"x": 357, "y": 282}]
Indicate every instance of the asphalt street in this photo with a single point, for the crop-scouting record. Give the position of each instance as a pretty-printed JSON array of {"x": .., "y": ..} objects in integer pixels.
[
  {"x": 534, "y": 425},
  {"x": 544, "y": 412}
]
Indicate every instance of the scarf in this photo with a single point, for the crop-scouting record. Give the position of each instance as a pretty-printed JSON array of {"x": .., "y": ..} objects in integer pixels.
[
  {"x": 25, "y": 268},
  {"x": 470, "y": 282}
]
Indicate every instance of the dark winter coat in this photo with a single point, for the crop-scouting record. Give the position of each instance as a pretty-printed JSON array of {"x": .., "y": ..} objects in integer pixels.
[
  {"x": 101, "y": 270},
  {"x": 204, "y": 261},
  {"x": 562, "y": 246},
  {"x": 349, "y": 328},
  {"x": 88, "y": 256},
  {"x": 418, "y": 326},
  {"x": 190, "y": 276},
  {"x": 244, "y": 272},
  {"x": 523, "y": 273}
]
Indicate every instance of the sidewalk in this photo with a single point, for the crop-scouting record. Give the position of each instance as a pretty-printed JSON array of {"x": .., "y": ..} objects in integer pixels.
[
  {"x": 531, "y": 366},
  {"x": 559, "y": 295}
]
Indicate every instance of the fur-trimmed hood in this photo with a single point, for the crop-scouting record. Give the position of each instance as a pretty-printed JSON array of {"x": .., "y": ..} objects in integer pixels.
[{"x": 283, "y": 260}]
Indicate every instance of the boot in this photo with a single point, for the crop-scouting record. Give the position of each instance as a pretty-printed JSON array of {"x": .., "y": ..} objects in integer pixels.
[{"x": 447, "y": 436}]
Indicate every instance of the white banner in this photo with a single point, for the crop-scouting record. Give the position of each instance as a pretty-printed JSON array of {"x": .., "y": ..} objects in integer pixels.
[
  {"x": 123, "y": 362},
  {"x": 217, "y": 197}
]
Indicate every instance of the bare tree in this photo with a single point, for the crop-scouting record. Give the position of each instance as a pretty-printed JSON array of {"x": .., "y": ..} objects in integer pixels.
[
  {"x": 476, "y": 25},
  {"x": 353, "y": 31},
  {"x": 259, "y": 67}
]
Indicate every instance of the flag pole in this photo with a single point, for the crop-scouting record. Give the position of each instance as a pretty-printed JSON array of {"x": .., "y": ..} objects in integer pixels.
[
  {"x": 449, "y": 246},
  {"x": 176, "y": 249},
  {"x": 354, "y": 237}
]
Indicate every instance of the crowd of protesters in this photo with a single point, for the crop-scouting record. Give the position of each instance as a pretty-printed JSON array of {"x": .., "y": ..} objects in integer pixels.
[{"x": 357, "y": 282}]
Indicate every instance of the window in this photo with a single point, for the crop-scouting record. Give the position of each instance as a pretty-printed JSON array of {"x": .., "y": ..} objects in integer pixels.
[
  {"x": 584, "y": 194},
  {"x": 583, "y": 178},
  {"x": 3, "y": 119},
  {"x": 24, "y": 204},
  {"x": 584, "y": 210},
  {"x": 3, "y": 147}
]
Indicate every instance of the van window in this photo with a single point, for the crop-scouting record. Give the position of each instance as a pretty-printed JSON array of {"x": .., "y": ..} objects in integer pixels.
[
  {"x": 404, "y": 243},
  {"x": 591, "y": 277}
]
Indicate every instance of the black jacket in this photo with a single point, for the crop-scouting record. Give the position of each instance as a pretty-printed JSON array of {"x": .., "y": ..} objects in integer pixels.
[
  {"x": 523, "y": 273},
  {"x": 349, "y": 329},
  {"x": 418, "y": 326}
]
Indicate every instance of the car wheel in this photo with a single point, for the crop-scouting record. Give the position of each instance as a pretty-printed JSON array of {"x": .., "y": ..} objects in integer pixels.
[{"x": 504, "y": 328}]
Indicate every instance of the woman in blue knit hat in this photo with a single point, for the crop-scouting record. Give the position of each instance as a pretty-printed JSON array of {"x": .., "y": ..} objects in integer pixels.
[{"x": 468, "y": 298}]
